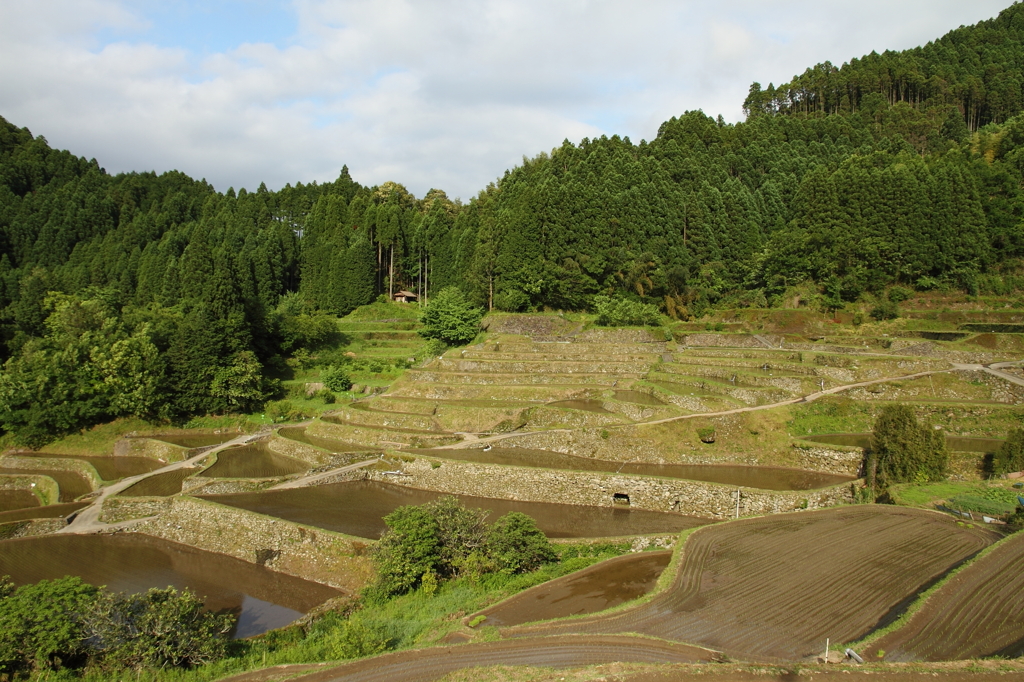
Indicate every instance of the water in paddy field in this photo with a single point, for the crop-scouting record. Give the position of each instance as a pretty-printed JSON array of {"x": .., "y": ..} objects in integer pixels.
[
  {"x": 109, "y": 468},
  {"x": 298, "y": 434},
  {"x": 637, "y": 397},
  {"x": 359, "y": 507},
  {"x": 195, "y": 440},
  {"x": 594, "y": 589},
  {"x": 863, "y": 440},
  {"x": 160, "y": 485},
  {"x": 764, "y": 478},
  {"x": 71, "y": 484},
  {"x": 52, "y": 511},
  {"x": 253, "y": 461},
  {"x": 17, "y": 499},
  {"x": 262, "y": 599},
  {"x": 587, "y": 405}
]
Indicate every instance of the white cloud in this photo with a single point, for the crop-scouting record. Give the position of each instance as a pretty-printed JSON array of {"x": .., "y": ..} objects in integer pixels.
[{"x": 431, "y": 93}]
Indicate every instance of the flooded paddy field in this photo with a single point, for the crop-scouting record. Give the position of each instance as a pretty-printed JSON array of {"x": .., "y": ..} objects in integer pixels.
[
  {"x": 763, "y": 478},
  {"x": 587, "y": 405},
  {"x": 298, "y": 434},
  {"x": 593, "y": 589},
  {"x": 637, "y": 398},
  {"x": 17, "y": 499},
  {"x": 194, "y": 440},
  {"x": 109, "y": 468},
  {"x": 253, "y": 461},
  {"x": 359, "y": 507},
  {"x": 863, "y": 440},
  {"x": 71, "y": 484},
  {"x": 160, "y": 485},
  {"x": 51, "y": 511},
  {"x": 261, "y": 598}
]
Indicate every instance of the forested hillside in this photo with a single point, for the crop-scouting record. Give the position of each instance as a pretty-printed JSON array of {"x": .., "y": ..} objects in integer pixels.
[{"x": 158, "y": 297}]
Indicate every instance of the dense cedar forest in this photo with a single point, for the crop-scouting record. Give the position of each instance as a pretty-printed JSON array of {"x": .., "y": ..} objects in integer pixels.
[{"x": 158, "y": 297}]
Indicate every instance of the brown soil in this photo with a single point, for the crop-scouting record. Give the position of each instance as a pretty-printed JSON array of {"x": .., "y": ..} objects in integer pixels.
[
  {"x": 774, "y": 588},
  {"x": 424, "y": 665},
  {"x": 52, "y": 511},
  {"x": 593, "y": 589},
  {"x": 17, "y": 499},
  {"x": 979, "y": 612}
]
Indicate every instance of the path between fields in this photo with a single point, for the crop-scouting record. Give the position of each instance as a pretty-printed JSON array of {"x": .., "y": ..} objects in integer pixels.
[
  {"x": 471, "y": 440},
  {"x": 306, "y": 480},
  {"x": 87, "y": 520}
]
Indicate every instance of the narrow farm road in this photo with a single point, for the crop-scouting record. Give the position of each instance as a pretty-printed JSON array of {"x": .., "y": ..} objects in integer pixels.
[
  {"x": 88, "y": 519},
  {"x": 307, "y": 480}
]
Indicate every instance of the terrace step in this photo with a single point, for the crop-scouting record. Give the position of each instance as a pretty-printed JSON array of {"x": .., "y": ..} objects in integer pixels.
[
  {"x": 368, "y": 436},
  {"x": 538, "y": 367},
  {"x": 397, "y": 420},
  {"x": 499, "y": 379}
]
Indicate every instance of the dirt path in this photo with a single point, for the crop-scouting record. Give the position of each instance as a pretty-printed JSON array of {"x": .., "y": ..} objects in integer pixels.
[
  {"x": 88, "y": 519},
  {"x": 308, "y": 480},
  {"x": 425, "y": 665},
  {"x": 475, "y": 440}
]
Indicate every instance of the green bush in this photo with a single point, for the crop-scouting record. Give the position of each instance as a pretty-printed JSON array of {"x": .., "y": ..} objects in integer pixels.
[
  {"x": 886, "y": 310},
  {"x": 42, "y": 625},
  {"x": 285, "y": 411},
  {"x": 516, "y": 544},
  {"x": 1010, "y": 456},
  {"x": 159, "y": 628},
  {"x": 903, "y": 451},
  {"x": 449, "y": 317},
  {"x": 326, "y": 395},
  {"x": 336, "y": 378},
  {"x": 617, "y": 312}
]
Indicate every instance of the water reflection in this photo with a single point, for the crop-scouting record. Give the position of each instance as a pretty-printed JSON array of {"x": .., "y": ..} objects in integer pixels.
[
  {"x": 261, "y": 598},
  {"x": 359, "y": 507}
]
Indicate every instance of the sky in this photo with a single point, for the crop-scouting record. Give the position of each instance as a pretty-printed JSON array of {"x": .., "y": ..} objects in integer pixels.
[{"x": 430, "y": 93}]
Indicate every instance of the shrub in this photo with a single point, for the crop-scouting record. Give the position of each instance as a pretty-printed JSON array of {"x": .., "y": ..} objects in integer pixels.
[
  {"x": 706, "y": 434},
  {"x": 899, "y": 294},
  {"x": 449, "y": 317},
  {"x": 516, "y": 544},
  {"x": 1010, "y": 456},
  {"x": 284, "y": 410},
  {"x": 42, "y": 625},
  {"x": 903, "y": 451},
  {"x": 336, "y": 378},
  {"x": 158, "y": 628},
  {"x": 408, "y": 549},
  {"x": 886, "y": 310},
  {"x": 617, "y": 312},
  {"x": 326, "y": 395}
]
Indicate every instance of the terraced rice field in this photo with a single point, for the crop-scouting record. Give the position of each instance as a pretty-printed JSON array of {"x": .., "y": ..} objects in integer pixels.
[
  {"x": 593, "y": 589},
  {"x": 979, "y": 612},
  {"x": 253, "y": 461},
  {"x": 51, "y": 511},
  {"x": 71, "y": 484},
  {"x": 774, "y": 588},
  {"x": 159, "y": 485},
  {"x": 109, "y": 468},
  {"x": 17, "y": 499},
  {"x": 764, "y": 478},
  {"x": 359, "y": 507},
  {"x": 195, "y": 440},
  {"x": 263, "y": 599}
]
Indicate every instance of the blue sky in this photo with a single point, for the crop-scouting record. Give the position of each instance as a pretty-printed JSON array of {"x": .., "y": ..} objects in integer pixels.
[{"x": 428, "y": 93}]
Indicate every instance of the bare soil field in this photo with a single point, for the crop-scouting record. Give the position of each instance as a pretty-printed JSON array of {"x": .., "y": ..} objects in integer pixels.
[
  {"x": 424, "y": 665},
  {"x": 978, "y": 612},
  {"x": 773, "y": 588},
  {"x": 593, "y": 589}
]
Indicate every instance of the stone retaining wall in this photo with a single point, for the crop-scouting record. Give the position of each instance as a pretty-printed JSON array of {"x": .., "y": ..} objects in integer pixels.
[
  {"x": 117, "y": 509},
  {"x": 695, "y": 498},
  {"x": 44, "y": 487},
  {"x": 303, "y": 551},
  {"x": 301, "y": 451},
  {"x": 151, "y": 449},
  {"x": 30, "y": 527}
]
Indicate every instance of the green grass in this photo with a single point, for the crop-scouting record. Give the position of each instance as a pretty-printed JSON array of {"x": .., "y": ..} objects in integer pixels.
[{"x": 993, "y": 498}]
